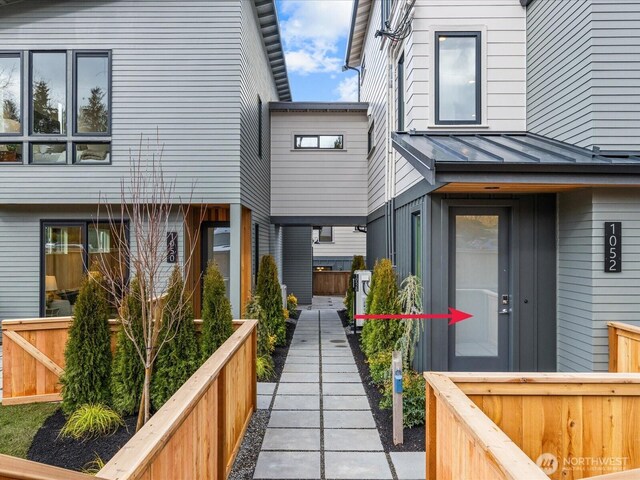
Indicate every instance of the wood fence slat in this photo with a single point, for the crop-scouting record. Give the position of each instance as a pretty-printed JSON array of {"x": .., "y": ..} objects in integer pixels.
[
  {"x": 556, "y": 414},
  {"x": 34, "y": 352}
]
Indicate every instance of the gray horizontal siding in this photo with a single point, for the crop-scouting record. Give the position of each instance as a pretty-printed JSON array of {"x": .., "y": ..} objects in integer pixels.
[
  {"x": 176, "y": 73},
  {"x": 559, "y": 96},
  {"x": 256, "y": 80},
  {"x": 583, "y": 72},
  {"x": 20, "y": 250}
]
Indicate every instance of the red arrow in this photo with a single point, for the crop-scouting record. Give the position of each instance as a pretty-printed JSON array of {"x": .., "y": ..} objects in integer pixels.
[{"x": 454, "y": 316}]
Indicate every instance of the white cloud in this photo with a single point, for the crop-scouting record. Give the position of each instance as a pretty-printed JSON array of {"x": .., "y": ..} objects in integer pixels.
[
  {"x": 312, "y": 30},
  {"x": 348, "y": 89}
]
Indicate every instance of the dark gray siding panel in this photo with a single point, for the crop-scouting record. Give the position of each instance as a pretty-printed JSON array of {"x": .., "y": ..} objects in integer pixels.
[
  {"x": 559, "y": 88},
  {"x": 297, "y": 270},
  {"x": 533, "y": 273},
  {"x": 376, "y": 241}
]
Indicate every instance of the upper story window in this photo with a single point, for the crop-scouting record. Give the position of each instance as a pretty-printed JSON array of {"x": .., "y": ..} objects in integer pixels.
[
  {"x": 92, "y": 93},
  {"x": 49, "y": 93},
  {"x": 53, "y": 136},
  {"x": 10, "y": 94},
  {"x": 319, "y": 142},
  {"x": 400, "y": 107},
  {"x": 457, "y": 78}
]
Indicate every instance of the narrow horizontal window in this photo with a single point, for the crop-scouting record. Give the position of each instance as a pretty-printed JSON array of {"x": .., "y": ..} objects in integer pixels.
[
  {"x": 458, "y": 79},
  {"x": 323, "y": 235},
  {"x": 92, "y": 153},
  {"x": 319, "y": 142},
  {"x": 10, "y": 153},
  {"x": 49, "y": 93},
  {"x": 92, "y": 93},
  {"x": 10, "y": 94},
  {"x": 48, "y": 153}
]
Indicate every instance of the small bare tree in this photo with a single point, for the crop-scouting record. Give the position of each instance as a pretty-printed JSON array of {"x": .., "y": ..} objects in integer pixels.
[{"x": 150, "y": 204}]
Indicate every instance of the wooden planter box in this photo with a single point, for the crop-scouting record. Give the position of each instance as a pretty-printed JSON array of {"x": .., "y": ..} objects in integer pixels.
[
  {"x": 624, "y": 347},
  {"x": 504, "y": 425},
  {"x": 195, "y": 435}
]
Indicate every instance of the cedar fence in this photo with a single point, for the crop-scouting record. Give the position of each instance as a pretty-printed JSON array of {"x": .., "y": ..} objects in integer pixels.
[
  {"x": 196, "y": 434},
  {"x": 33, "y": 351},
  {"x": 624, "y": 347},
  {"x": 503, "y": 425}
]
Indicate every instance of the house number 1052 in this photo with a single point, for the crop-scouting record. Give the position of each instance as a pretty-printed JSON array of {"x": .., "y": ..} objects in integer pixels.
[{"x": 613, "y": 247}]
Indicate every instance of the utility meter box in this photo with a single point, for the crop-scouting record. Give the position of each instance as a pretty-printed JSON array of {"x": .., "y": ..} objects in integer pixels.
[{"x": 362, "y": 282}]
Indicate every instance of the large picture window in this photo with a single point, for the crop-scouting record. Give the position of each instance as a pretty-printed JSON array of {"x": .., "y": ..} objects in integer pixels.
[
  {"x": 10, "y": 94},
  {"x": 457, "y": 78},
  {"x": 61, "y": 129},
  {"x": 69, "y": 251}
]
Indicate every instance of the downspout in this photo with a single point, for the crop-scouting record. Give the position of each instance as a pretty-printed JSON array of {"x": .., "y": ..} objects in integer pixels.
[
  {"x": 346, "y": 67},
  {"x": 391, "y": 173}
]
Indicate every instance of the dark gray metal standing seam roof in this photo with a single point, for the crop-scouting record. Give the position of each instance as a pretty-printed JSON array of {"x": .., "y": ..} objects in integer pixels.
[{"x": 520, "y": 151}]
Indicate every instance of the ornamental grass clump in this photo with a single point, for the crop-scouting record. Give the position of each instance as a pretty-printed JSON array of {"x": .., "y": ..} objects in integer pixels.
[
  {"x": 91, "y": 421},
  {"x": 382, "y": 335},
  {"x": 87, "y": 374},
  {"x": 127, "y": 372},
  {"x": 356, "y": 264},
  {"x": 270, "y": 294},
  {"x": 180, "y": 357},
  {"x": 217, "y": 319}
]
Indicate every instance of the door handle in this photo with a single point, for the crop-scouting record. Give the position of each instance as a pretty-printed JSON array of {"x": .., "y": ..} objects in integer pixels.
[{"x": 504, "y": 311}]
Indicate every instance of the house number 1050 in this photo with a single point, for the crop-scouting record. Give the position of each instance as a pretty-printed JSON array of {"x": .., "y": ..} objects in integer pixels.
[{"x": 612, "y": 247}]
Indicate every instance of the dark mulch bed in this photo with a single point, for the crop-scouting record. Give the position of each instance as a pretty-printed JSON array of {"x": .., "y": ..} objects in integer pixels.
[
  {"x": 413, "y": 437},
  {"x": 247, "y": 458},
  {"x": 75, "y": 454}
]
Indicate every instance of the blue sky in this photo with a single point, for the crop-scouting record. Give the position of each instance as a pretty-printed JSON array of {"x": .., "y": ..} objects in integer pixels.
[{"x": 314, "y": 34}]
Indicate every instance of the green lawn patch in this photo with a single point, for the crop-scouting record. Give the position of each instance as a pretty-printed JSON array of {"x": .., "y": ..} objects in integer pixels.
[{"x": 19, "y": 424}]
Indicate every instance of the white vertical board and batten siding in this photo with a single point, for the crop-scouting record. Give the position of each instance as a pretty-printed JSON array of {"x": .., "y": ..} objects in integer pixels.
[
  {"x": 503, "y": 27},
  {"x": 256, "y": 82},
  {"x": 347, "y": 242},
  {"x": 588, "y": 297},
  {"x": 318, "y": 182},
  {"x": 584, "y": 72},
  {"x": 176, "y": 68}
]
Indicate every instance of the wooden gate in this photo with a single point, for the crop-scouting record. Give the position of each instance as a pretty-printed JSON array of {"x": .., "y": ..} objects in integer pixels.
[{"x": 330, "y": 283}]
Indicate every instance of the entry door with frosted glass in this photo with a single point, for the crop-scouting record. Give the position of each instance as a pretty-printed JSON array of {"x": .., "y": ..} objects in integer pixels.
[
  {"x": 479, "y": 285},
  {"x": 216, "y": 247}
]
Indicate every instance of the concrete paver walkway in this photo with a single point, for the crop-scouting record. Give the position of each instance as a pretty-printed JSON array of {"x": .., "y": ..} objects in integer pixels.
[{"x": 321, "y": 426}]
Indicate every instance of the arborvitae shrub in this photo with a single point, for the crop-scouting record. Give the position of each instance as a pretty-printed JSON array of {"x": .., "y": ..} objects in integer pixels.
[
  {"x": 127, "y": 376},
  {"x": 268, "y": 289},
  {"x": 217, "y": 319},
  {"x": 178, "y": 358},
  {"x": 380, "y": 335},
  {"x": 253, "y": 311},
  {"x": 88, "y": 350},
  {"x": 356, "y": 264}
]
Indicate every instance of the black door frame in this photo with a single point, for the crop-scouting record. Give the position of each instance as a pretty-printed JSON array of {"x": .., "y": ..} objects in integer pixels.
[
  {"x": 502, "y": 361},
  {"x": 204, "y": 240}
]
